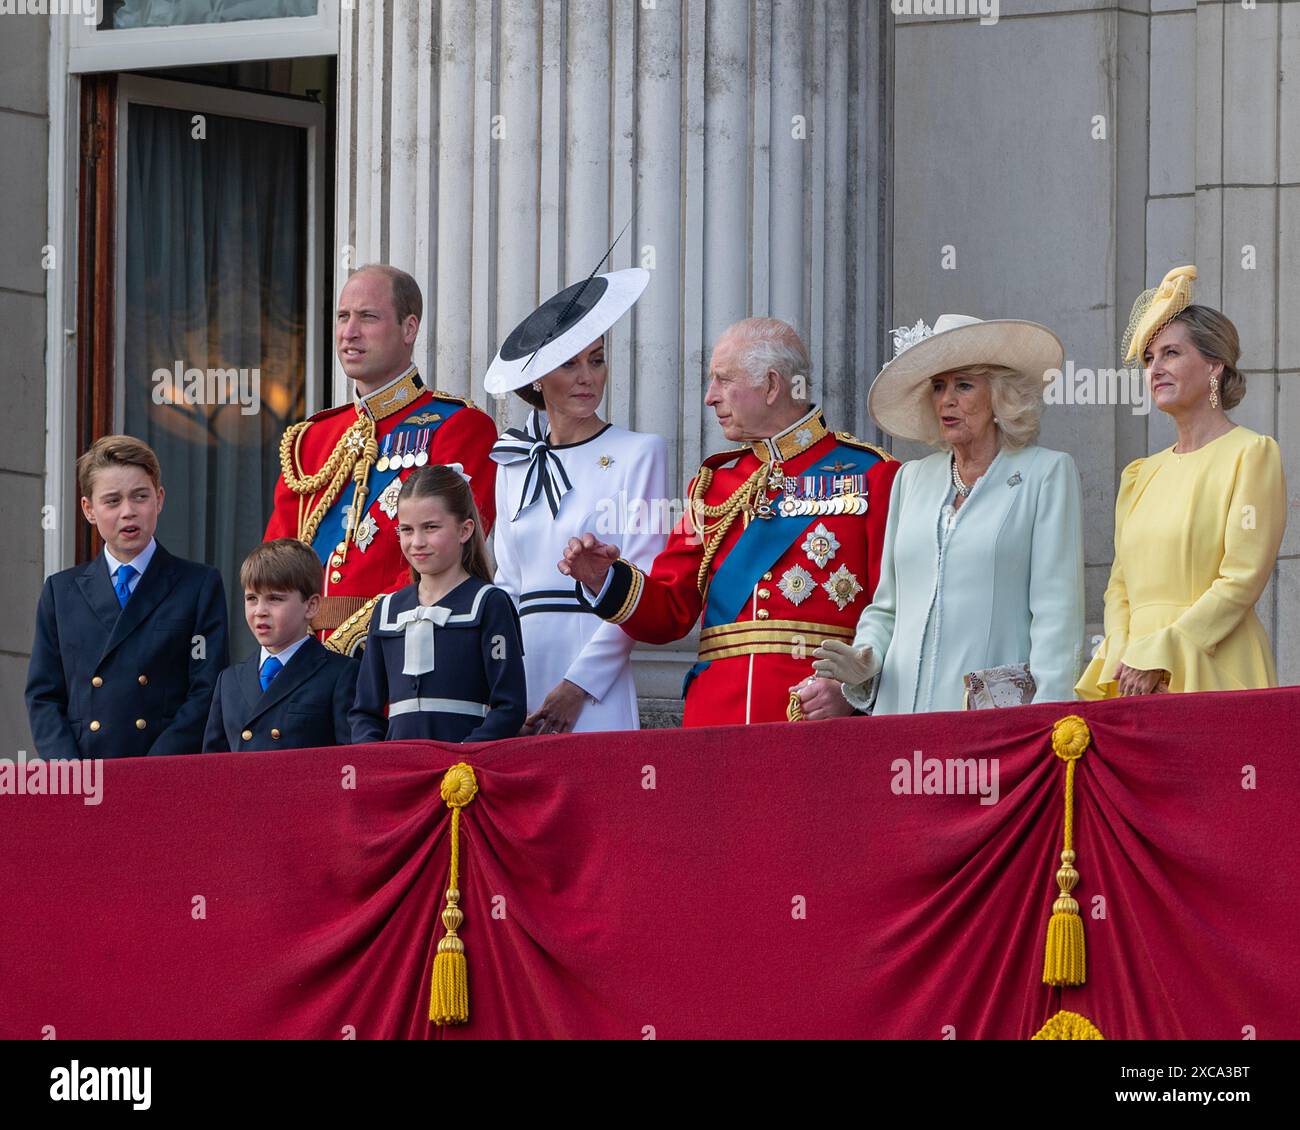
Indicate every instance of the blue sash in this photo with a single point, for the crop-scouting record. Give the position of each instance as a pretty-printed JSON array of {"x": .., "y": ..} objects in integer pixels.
[
  {"x": 330, "y": 532},
  {"x": 763, "y": 543}
]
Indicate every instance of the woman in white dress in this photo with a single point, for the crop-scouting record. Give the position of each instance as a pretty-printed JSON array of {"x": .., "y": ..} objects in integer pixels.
[{"x": 567, "y": 472}]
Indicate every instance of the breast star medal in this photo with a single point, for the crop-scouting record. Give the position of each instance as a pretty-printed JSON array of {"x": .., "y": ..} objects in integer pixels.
[
  {"x": 366, "y": 531},
  {"x": 796, "y": 585},
  {"x": 388, "y": 500},
  {"x": 842, "y": 587},
  {"x": 820, "y": 545}
]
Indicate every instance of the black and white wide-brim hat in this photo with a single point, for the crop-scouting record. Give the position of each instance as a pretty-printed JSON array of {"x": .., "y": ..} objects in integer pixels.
[{"x": 562, "y": 327}]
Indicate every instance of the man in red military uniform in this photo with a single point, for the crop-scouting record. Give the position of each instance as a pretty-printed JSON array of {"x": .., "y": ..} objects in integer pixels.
[
  {"x": 779, "y": 548},
  {"x": 341, "y": 471}
]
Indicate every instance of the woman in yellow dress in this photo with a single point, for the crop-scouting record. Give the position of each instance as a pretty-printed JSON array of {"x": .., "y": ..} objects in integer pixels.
[{"x": 1197, "y": 526}]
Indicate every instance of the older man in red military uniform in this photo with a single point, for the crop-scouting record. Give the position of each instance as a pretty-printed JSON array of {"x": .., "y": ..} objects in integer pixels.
[
  {"x": 341, "y": 471},
  {"x": 780, "y": 547}
]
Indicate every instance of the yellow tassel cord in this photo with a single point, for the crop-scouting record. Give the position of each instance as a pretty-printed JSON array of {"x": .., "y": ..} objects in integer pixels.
[
  {"x": 1064, "y": 963},
  {"x": 449, "y": 998},
  {"x": 1068, "y": 1026},
  {"x": 794, "y": 708}
]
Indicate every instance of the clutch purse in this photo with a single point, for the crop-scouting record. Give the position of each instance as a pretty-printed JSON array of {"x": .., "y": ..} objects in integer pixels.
[{"x": 1011, "y": 685}]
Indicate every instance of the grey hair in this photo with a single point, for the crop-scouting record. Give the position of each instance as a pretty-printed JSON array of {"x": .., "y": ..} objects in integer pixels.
[
  {"x": 1017, "y": 403},
  {"x": 767, "y": 344}
]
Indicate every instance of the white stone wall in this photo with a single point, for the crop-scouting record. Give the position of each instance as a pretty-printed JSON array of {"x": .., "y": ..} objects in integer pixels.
[
  {"x": 685, "y": 110},
  {"x": 24, "y": 134},
  {"x": 495, "y": 149}
]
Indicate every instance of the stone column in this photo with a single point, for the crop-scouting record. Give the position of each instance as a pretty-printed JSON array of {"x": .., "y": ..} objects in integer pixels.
[{"x": 495, "y": 148}]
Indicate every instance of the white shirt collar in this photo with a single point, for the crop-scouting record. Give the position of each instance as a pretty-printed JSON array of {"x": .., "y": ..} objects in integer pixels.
[
  {"x": 285, "y": 655},
  {"x": 360, "y": 401},
  {"x": 140, "y": 564}
]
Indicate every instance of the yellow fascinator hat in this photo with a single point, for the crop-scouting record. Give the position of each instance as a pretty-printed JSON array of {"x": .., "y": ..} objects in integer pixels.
[{"x": 1155, "y": 308}]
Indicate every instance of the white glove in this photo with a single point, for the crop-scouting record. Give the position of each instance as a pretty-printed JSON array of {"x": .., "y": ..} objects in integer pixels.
[{"x": 846, "y": 664}]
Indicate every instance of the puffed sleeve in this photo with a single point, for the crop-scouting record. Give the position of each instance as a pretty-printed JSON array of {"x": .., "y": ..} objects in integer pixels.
[
  {"x": 508, "y": 576},
  {"x": 1252, "y": 537},
  {"x": 1056, "y": 583},
  {"x": 876, "y": 625},
  {"x": 1099, "y": 678},
  {"x": 602, "y": 659},
  {"x": 503, "y": 666}
]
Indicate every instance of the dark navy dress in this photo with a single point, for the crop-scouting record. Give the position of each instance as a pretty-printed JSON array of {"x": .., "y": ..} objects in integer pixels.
[{"x": 475, "y": 691}]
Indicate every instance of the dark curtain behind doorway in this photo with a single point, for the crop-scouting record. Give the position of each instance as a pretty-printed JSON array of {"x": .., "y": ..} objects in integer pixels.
[{"x": 216, "y": 278}]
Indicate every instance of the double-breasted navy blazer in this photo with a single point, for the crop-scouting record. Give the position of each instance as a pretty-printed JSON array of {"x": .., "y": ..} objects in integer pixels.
[
  {"x": 106, "y": 681},
  {"x": 305, "y": 706}
]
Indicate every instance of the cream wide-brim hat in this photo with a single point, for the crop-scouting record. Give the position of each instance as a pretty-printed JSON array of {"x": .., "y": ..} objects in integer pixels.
[{"x": 899, "y": 399}]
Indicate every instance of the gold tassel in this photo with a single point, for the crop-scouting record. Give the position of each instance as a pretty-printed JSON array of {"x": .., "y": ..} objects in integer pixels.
[
  {"x": 1068, "y": 1026},
  {"x": 449, "y": 995},
  {"x": 794, "y": 708},
  {"x": 1064, "y": 962}
]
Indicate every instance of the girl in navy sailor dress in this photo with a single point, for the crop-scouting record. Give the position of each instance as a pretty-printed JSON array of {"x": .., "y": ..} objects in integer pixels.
[{"x": 444, "y": 659}]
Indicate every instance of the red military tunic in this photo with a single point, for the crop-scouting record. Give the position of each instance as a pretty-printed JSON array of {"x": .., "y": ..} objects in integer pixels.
[
  {"x": 810, "y": 581},
  {"x": 364, "y": 563}
]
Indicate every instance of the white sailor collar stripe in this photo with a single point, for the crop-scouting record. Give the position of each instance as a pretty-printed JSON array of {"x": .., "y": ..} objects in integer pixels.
[{"x": 388, "y": 622}]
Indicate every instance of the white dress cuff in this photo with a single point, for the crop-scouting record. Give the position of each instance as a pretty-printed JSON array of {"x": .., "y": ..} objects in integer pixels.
[{"x": 596, "y": 598}]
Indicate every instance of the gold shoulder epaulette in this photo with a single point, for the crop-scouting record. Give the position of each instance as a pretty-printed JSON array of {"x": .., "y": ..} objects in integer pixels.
[
  {"x": 438, "y": 394},
  {"x": 349, "y": 638},
  {"x": 853, "y": 441}
]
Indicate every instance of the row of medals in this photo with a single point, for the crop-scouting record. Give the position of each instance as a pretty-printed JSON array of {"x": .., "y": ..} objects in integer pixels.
[
  {"x": 792, "y": 506},
  {"x": 406, "y": 456}
]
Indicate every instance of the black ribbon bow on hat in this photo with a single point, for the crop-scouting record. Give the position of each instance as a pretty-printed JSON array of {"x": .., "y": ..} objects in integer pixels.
[{"x": 546, "y": 474}]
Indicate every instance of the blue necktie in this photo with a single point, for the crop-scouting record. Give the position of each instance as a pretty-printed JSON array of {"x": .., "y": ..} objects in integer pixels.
[
  {"x": 270, "y": 669},
  {"x": 122, "y": 586}
]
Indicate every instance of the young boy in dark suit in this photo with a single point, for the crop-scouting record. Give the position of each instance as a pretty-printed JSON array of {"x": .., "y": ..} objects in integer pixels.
[
  {"x": 293, "y": 693},
  {"x": 128, "y": 647}
]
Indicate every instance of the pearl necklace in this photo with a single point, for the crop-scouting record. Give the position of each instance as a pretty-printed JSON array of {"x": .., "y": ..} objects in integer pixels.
[{"x": 957, "y": 481}]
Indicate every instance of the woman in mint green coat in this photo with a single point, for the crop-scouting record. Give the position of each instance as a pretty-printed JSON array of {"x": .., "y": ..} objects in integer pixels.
[{"x": 983, "y": 556}]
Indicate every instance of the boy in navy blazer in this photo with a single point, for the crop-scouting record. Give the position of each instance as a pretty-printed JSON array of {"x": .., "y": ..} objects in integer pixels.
[
  {"x": 128, "y": 647},
  {"x": 293, "y": 693}
]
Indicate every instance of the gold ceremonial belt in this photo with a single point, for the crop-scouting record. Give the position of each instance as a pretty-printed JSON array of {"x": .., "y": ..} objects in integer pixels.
[{"x": 797, "y": 638}]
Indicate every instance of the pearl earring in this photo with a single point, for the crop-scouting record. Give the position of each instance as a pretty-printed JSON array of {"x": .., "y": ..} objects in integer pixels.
[
  {"x": 1214, "y": 392},
  {"x": 537, "y": 386}
]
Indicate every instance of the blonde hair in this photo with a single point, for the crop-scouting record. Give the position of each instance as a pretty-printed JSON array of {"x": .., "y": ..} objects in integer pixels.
[
  {"x": 282, "y": 565},
  {"x": 116, "y": 451},
  {"x": 1017, "y": 403},
  {"x": 1215, "y": 337}
]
